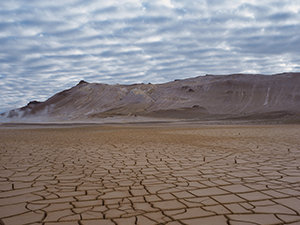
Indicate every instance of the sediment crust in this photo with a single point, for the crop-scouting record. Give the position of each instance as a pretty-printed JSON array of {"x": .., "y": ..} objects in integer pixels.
[{"x": 150, "y": 174}]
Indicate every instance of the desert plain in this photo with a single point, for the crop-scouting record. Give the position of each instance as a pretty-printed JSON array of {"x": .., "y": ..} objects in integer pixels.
[{"x": 150, "y": 174}]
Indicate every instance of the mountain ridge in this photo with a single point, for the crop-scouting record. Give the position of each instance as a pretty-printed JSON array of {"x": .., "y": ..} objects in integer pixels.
[{"x": 203, "y": 97}]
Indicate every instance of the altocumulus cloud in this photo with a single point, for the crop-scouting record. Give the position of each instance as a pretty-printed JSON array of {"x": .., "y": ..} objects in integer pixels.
[{"x": 48, "y": 46}]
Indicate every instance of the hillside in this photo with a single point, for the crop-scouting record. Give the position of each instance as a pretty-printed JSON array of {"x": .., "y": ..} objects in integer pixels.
[{"x": 237, "y": 96}]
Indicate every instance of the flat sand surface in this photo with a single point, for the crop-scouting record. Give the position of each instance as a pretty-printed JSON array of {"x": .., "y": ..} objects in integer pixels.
[{"x": 147, "y": 174}]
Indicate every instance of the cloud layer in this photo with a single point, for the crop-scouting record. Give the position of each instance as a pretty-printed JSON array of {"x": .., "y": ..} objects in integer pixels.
[{"x": 48, "y": 46}]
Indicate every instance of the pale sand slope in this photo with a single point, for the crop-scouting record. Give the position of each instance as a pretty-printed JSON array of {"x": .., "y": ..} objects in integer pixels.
[{"x": 150, "y": 175}]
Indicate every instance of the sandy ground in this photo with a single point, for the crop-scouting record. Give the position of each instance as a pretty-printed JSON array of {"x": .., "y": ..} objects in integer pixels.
[{"x": 150, "y": 174}]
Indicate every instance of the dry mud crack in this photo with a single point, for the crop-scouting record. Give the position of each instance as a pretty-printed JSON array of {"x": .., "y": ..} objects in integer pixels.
[{"x": 150, "y": 175}]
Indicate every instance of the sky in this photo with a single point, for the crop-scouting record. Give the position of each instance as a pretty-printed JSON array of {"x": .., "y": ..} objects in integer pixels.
[{"x": 48, "y": 46}]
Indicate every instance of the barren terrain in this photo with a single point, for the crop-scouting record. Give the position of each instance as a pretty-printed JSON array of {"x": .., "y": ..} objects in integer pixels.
[
  {"x": 204, "y": 98},
  {"x": 140, "y": 174},
  {"x": 150, "y": 174}
]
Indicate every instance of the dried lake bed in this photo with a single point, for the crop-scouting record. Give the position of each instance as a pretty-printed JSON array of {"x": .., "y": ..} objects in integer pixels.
[{"x": 150, "y": 174}]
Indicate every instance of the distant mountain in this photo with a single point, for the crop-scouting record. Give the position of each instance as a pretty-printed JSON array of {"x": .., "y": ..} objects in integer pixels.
[{"x": 237, "y": 96}]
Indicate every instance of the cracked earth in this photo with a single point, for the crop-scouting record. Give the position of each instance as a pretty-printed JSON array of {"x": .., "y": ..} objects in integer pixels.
[{"x": 150, "y": 175}]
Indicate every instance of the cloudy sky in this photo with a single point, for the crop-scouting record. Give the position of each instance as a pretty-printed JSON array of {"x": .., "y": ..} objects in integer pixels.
[{"x": 48, "y": 46}]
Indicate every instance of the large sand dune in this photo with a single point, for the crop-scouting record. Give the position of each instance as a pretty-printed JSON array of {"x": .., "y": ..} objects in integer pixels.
[{"x": 150, "y": 174}]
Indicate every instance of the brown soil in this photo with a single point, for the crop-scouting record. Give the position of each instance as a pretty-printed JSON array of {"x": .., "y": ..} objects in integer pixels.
[{"x": 149, "y": 174}]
